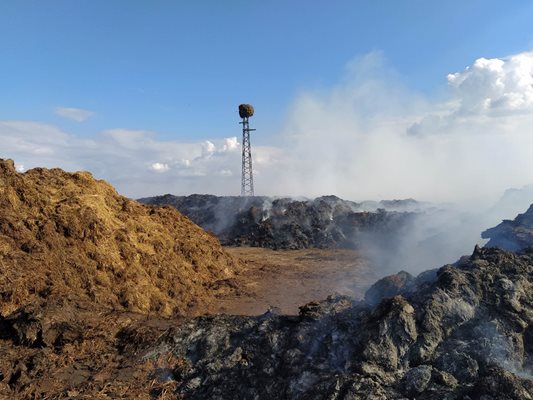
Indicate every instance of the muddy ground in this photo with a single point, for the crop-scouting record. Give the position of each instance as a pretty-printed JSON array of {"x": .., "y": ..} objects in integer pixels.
[{"x": 288, "y": 279}]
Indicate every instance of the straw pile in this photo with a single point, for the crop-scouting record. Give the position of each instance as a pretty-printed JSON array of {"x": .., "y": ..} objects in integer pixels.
[{"x": 70, "y": 237}]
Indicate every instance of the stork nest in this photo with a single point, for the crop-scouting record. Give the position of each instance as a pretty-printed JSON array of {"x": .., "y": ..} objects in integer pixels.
[{"x": 246, "y": 110}]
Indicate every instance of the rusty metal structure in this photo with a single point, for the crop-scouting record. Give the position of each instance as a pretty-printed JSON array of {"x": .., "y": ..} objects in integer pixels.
[{"x": 247, "y": 181}]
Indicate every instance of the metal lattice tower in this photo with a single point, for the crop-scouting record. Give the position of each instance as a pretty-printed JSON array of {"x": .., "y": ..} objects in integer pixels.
[{"x": 247, "y": 182}]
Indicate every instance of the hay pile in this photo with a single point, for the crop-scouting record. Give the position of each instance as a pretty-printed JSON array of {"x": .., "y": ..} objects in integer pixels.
[
  {"x": 246, "y": 110},
  {"x": 68, "y": 237}
]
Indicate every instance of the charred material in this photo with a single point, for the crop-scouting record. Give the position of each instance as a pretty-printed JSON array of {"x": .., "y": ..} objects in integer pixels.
[
  {"x": 325, "y": 222},
  {"x": 464, "y": 334},
  {"x": 512, "y": 235}
]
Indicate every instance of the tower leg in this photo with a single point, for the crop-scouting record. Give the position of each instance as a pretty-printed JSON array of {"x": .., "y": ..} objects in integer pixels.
[{"x": 247, "y": 181}]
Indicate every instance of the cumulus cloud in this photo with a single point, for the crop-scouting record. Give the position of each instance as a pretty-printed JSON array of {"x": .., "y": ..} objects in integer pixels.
[
  {"x": 495, "y": 91},
  {"x": 74, "y": 114},
  {"x": 495, "y": 86},
  {"x": 230, "y": 144},
  {"x": 208, "y": 148}
]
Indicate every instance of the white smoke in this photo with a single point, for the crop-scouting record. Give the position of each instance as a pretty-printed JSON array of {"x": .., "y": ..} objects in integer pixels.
[{"x": 371, "y": 138}]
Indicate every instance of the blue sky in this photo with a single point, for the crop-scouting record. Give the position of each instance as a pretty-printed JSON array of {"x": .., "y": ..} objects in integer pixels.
[{"x": 179, "y": 69}]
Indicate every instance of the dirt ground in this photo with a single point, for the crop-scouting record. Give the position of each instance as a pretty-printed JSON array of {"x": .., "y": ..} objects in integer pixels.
[{"x": 288, "y": 279}]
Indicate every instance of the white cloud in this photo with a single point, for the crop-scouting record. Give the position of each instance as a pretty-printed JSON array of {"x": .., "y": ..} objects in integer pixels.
[
  {"x": 230, "y": 144},
  {"x": 225, "y": 172},
  {"x": 495, "y": 86},
  {"x": 209, "y": 148},
  {"x": 34, "y": 139},
  {"x": 159, "y": 167},
  {"x": 74, "y": 114},
  {"x": 128, "y": 158}
]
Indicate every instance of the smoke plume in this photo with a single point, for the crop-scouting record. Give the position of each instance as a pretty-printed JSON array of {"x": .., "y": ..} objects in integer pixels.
[{"x": 369, "y": 137}]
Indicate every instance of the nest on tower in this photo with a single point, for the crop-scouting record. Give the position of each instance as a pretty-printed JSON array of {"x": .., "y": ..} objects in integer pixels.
[{"x": 246, "y": 110}]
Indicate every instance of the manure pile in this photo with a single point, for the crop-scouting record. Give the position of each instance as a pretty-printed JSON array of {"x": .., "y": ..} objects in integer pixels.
[{"x": 68, "y": 237}]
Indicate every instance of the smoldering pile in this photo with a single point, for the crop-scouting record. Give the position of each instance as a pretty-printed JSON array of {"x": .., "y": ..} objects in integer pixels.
[
  {"x": 324, "y": 222},
  {"x": 461, "y": 332},
  {"x": 512, "y": 234}
]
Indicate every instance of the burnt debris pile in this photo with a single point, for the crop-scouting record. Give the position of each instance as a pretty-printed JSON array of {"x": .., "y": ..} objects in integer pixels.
[
  {"x": 324, "y": 222},
  {"x": 461, "y": 332},
  {"x": 512, "y": 235}
]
